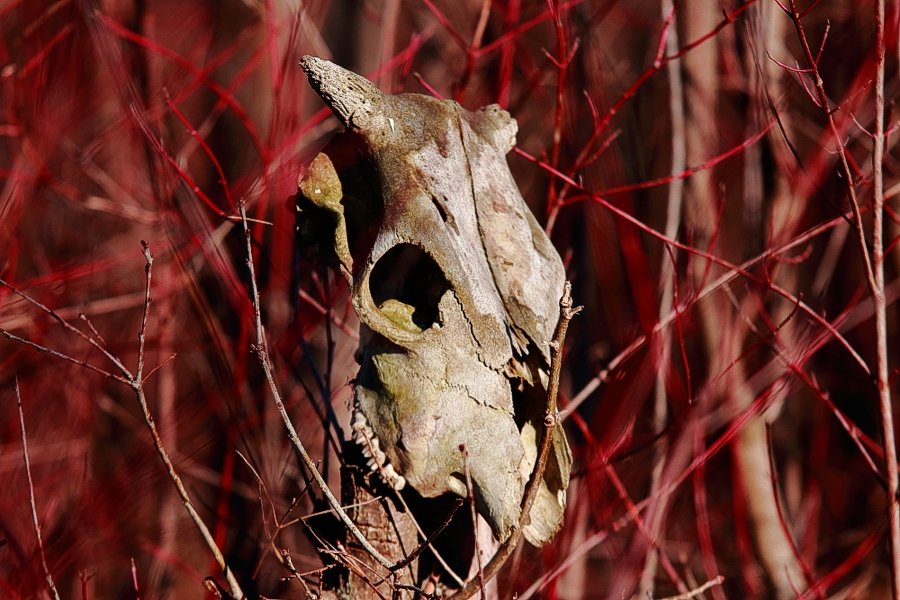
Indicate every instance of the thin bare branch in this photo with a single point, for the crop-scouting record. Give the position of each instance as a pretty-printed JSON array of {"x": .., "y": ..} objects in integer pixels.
[
  {"x": 68, "y": 326},
  {"x": 551, "y": 421},
  {"x": 470, "y": 498},
  {"x": 698, "y": 591},
  {"x": 41, "y": 348},
  {"x": 137, "y": 386},
  {"x": 429, "y": 540},
  {"x": 34, "y": 516},
  {"x": 885, "y": 404},
  {"x": 262, "y": 354},
  {"x": 136, "y": 383},
  {"x": 847, "y": 175}
]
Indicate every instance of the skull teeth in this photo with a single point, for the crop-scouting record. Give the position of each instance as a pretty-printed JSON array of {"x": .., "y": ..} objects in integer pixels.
[
  {"x": 391, "y": 476},
  {"x": 375, "y": 457}
]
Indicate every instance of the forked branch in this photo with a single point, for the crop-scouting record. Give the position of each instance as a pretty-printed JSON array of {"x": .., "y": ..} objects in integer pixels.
[
  {"x": 874, "y": 264},
  {"x": 136, "y": 382}
]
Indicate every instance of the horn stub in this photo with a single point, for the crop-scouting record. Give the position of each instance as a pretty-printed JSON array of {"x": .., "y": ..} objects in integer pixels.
[{"x": 353, "y": 99}]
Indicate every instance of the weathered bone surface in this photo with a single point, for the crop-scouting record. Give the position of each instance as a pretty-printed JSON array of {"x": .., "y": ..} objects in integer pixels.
[{"x": 456, "y": 287}]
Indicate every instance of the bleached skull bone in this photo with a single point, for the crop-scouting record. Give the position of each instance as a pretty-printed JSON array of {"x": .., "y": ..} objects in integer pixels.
[{"x": 456, "y": 287}]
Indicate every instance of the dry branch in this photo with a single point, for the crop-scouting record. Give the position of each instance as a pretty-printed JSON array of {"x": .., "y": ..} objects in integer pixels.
[
  {"x": 262, "y": 354},
  {"x": 885, "y": 404},
  {"x": 135, "y": 382},
  {"x": 34, "y": 516},
  {"x": 551, "y": 421}
]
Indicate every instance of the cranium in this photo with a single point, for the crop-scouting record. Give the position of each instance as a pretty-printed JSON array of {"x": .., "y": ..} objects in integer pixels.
[{"x": 456, "y": 287}]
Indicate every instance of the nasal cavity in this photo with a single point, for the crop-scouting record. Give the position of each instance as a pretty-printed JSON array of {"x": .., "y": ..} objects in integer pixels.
[{"x": 407, "y": 285}]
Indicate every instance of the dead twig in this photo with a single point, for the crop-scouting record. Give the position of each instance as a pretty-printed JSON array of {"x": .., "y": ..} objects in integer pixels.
[
  {"x": 136, "y": 383},
  {"x": 403, "y": 563},
  {"x": 428, "y": 541},
  {"x": 874, "y": 265},
  {"x": 821, "y": 99},
  {"x": 262, "y": 353},
  {"x": 696, "y": 592},
  {"x": 878, "y": 296},
  {"x": 470, "y": 498},
  {"x": 34, "y": 516},
  {"x": 551, "y": 421},
  {"x": 668, "y": 285}
]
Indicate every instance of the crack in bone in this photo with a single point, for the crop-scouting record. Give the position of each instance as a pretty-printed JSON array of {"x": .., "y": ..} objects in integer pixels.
[{"x": 376, "y": 459}]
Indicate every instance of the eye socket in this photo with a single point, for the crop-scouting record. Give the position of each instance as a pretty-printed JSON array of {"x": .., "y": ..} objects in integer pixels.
[{"x": 407, "y": 285}]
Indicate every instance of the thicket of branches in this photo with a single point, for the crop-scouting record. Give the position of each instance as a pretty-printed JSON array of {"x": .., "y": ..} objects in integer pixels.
[{"x": 720, "y": 177}]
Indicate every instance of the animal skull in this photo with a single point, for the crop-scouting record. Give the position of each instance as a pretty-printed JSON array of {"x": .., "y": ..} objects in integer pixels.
[{"x": 456, "y": 287}]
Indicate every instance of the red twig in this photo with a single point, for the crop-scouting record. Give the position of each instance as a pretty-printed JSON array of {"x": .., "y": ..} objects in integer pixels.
[
  {"x": 701, "y": 507},
  {"x": 788, "y": 534},
  {"x": 136, "y": 383},
  {"x": 708, "y": 164},
  {"x": 635, "y": 514},
  {"x": 223, "y": 180},
  {"x": 859, "y": 553},
  {"x": 661, "y": 61},
  {"x": 561, "y": 62},
  {"x": 739, "y": 270},
  {"x": 36, "y": 60},
  {"x": 224, "y": 94},
  {"x": 708, "y": 289}
]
